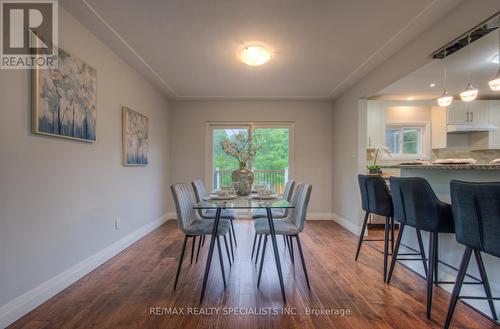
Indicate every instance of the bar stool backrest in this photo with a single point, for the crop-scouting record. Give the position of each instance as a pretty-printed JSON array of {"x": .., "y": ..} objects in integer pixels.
[
  {"x": 417, "y": 204},
  {"x": 184, "y": 202},
  {"x": 375, "y": 195},
  {"x": 476, "y": 213}
]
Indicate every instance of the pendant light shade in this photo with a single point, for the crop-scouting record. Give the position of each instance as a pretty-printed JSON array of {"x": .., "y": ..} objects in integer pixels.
[
  {"x": 469, "y": 93},
  {"x": 445, "y": 100}
]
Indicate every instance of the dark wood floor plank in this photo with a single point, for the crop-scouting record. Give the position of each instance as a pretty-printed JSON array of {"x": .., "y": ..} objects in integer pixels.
[{"x": 119, "y": 293}]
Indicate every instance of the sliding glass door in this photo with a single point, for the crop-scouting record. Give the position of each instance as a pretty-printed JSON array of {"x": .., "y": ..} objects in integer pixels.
[{"x": 272, "y": 164}]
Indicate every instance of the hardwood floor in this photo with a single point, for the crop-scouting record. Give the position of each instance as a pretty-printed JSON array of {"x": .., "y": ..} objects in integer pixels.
[{"x": 121, "y": 293}]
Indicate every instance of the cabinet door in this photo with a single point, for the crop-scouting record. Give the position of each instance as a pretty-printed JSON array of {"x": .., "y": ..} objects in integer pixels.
[
  {"x": 494, "y": 118},
  {"x": 457, "y": 113},
  {"x": 478, "y": 111},
  {"x": 375, "y": 126}
]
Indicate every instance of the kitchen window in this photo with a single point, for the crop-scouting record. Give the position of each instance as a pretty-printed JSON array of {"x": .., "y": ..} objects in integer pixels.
[{"x": 404, "y": 142}]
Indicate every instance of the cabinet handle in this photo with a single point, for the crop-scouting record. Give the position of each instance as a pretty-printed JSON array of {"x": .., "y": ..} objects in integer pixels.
[
  {"x": 472, "y": 117},
  {"x": 467, "y": 117}
]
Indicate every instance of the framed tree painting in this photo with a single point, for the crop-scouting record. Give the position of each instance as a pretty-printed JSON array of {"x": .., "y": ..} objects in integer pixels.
[
  {"x": 64, "y": 99},
  {"x": 135, "y": 138}
]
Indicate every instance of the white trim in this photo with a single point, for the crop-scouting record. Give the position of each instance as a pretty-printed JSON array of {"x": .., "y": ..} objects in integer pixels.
[{"x": 28, "y": 301}]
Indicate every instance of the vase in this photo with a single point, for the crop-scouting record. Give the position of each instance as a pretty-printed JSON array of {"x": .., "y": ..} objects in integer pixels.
[{"x": 242, "y": 181}]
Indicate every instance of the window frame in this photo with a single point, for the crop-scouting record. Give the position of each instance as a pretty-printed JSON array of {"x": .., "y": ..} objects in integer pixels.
[{"x": 422, "y": 149}]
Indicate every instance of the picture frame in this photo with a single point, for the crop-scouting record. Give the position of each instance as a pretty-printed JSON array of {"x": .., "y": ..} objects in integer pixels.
[{"x": 135, "y": 138}]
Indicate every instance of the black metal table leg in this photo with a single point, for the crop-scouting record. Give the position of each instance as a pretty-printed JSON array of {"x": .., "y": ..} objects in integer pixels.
[
  {"x": 276, "y": 254},
  {"x": 210, "y": 252}
]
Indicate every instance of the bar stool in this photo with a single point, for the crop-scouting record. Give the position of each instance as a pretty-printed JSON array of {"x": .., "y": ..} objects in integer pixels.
[
  {"x": 424, "y": 211},
  {"x": 476, "y": 212},
  {"x": 376, "y": 199}
]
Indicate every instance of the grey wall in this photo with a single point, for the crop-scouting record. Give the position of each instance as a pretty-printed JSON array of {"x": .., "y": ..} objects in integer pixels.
[
  {"x": 313, "y": 138},
  {"x": 59, "y": 198},
  {"x": 349, "y": 123}
]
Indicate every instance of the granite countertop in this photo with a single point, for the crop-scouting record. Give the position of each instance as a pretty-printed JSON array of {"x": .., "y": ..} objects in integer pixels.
[{"x": 447, "y": 167}]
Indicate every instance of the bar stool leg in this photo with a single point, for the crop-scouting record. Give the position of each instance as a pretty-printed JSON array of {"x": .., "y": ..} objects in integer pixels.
[
  {"x": 386, "y": 245},
  {"x": 392, "y": 234},
  {"x": 362, "y": 234},
  {"x": 436, "y": 250},
  {"x": 422, "y": 250},
  {"x": 396, "y": 250},
  {"x": 430, "y": 277},
  {"x": 486, "y": 283},
  {"x": 458, "y": 285}
]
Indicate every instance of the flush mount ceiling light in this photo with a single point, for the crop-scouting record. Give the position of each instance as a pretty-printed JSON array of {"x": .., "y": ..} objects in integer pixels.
[
  {"x": 470, "y": 92},
  {"x": 445, "y": 99},
  {"x": 495, "y": 83},
  {"x": 255, "y": 55}
]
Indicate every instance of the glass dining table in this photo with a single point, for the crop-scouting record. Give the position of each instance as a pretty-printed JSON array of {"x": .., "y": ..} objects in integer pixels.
[{"x": 243, "y": 203}]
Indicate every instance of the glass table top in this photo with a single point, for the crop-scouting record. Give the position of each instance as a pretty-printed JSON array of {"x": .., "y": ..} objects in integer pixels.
[{"x": 243, "y": 203}]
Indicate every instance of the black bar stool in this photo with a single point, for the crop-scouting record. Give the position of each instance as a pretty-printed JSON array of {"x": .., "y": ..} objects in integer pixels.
[
  {"x": 476, "y": 212},
  {"x": 424, "y": 211},
  {"x": 376, "y": 199}
]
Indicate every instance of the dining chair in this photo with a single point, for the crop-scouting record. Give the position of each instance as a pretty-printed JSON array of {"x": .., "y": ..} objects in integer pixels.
[
  {"x": 476, "y": 213},
  {"x": 290, "y": 227},
  {"x": 258, "y": 214},
  {"x": 423, "y": 211},
  {"x": 200, "y": 192},
  {"x": 193, "y": 227}
]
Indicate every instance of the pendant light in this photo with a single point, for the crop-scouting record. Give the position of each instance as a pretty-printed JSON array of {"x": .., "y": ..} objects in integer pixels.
[
  {"x": 445, "y": 99},
  {"x": 495, "y": 83},
  {"x": 470, "y": 92}
]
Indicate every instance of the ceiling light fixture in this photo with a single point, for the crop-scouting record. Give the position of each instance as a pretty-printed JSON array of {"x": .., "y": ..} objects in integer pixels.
[
  {"x": 470, "y": 92},
  {"x": 411, "y": 98},
  {"x": 432, "y": 85},
  {"x": 495, "y": 83},
  {"x": 445, "y": 99},
  {"x": 255, "y": 55}
]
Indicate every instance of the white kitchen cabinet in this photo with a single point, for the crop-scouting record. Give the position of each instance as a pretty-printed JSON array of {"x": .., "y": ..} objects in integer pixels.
[
  {"x": 468, "y": 112},
  {"x": 488, "y": 140},
  {"x": 439, "y": 135},
  {"x": 375, "y": 125}
]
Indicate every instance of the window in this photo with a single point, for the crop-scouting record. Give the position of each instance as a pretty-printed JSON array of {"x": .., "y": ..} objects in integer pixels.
[
  {"x": 272, "y": 163},
  {"x": 404, "y": 142}
]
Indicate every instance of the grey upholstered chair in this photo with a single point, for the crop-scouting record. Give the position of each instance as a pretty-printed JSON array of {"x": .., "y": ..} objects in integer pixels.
[
  {"x": 193, "y": 227},
  {"x": 200, "y": 192},
  {"x": 290, "y": 227},
  {"x": 261, "y": 214}
]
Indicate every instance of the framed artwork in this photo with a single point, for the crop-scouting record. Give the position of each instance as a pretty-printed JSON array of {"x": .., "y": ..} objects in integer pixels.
[
  {"x": 135, "y": 138},
  {"x": 64, "y": 99}
]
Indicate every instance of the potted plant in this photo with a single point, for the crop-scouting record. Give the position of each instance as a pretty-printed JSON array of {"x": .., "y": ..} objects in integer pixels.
[
  {"x": 242, "y": 148},
  {"x": 374, "y": 168}
]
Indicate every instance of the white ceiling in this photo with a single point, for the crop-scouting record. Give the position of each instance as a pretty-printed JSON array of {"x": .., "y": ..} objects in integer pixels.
[
  {"x": 416, "y": 84},
  {"x": 189, "y": 47}
]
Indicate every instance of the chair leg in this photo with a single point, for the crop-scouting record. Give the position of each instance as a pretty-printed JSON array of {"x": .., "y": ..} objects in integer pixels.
[
  {"x": 361, "y": 236},
  {"x": 180, "y": 261},
  {"x": 458, "y": 285},
  {"x": 386, "y": 245},
  {"x": 258, "y": 248},
  {"x": 227, "y": 249},
  {"x": 262, "y": 260},
  {"x": 486, "y": 283},
  {"x": 203, "y": 244},
  {"x": 436, "y": 263},
  {"x": 192, "y": 248},
  {"x": 422, "y": 251},
  {"x": 291, "y": 249},
  {"x": 231, "y": 245},
  {"x": 199, "y": 247},
  {"x": 221, "y": 261},
  {"x": 395, "y": 253},
  {"x": 299, "y": 246},
  {"x": 392, "y": 234},
  {"x": 430, "y": 277},
  {"x": 234, "y": 233},
  {"x": 253, "y": 245}
]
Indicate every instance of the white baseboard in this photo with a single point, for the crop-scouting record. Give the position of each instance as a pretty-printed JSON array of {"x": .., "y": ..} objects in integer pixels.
[
  {"x": 28, "y": 301},
  {"x": 347, "y": 224},
  {"x": 319, "y": 216}
]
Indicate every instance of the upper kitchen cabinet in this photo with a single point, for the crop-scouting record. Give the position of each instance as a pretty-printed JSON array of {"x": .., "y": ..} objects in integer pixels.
[
  {"x": 375, "y": 124},
  {"x": 460, "y": 113},
  {"x": 488, "y": 140}
]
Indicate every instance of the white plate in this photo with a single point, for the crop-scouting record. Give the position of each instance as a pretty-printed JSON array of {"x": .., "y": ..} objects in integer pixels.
[
  {"x": 265, "y": 197},
  {"x": 218, "y": 197}
]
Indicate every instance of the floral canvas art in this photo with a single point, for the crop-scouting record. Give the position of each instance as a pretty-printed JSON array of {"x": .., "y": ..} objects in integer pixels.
[
  {"x": 64, "y": 99},
  {"x": 135, "y": 138}
]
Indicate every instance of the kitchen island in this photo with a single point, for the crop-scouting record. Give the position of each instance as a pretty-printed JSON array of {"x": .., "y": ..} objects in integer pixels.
[{"x": 450, "y": 252}]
